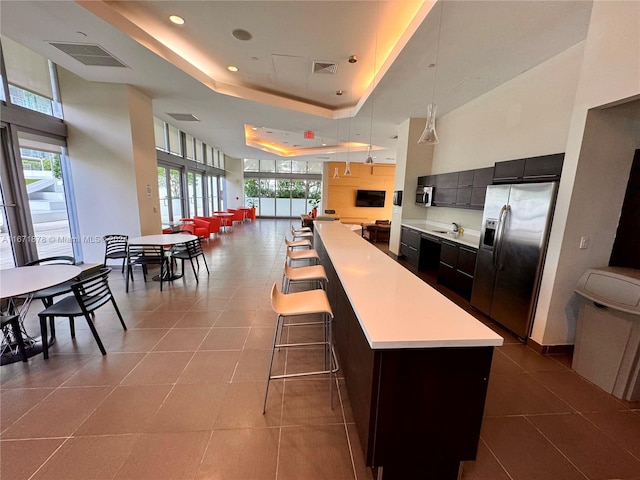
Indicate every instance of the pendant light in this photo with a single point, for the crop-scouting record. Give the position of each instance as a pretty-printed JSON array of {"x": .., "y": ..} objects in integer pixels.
[{"x": 429, "y": 135}]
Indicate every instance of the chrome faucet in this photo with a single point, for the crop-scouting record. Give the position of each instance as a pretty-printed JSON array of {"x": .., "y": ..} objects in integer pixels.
[{"x": 456, "y": 227}]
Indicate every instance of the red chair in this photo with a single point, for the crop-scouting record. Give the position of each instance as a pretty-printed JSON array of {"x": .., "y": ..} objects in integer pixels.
[
  {"x": 238, "y": 215},
  {"x": 198, "y": 227},
  {"x": 214, "y": 223}
]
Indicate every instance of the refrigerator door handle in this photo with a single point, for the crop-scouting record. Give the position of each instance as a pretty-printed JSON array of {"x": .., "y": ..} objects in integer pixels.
[{"x": 497, "y": 249}]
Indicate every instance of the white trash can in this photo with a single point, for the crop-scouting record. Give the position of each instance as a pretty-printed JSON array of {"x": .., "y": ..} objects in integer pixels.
[{"x": 607, "y": 345}]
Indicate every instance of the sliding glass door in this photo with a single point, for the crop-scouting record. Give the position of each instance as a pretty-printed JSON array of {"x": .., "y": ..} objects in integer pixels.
[{"x": 171, "y": 197}]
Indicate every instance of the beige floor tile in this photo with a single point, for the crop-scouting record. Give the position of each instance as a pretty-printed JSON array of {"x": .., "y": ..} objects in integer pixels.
[
  {"x": 306, "y": 402},
  {"x": 236, "y": 317},
  {"x": 165, "y": 456},
  {"x": 127, "y": 410},
  {"x": 242, "y": 406},
  {"x": 140, "y": 340},
  {"x": 41, "y": 373},
  {"x": 21, "y": 458},
  {"x": 253, "y": 366},
  {"x": 59, "y": 414},
  {"x": 210, "y": 367},
  {"x": 189, "y": 408},
  {"x": 226, "y": 456},
  {"x": 158, "y": 319},
  {"x": 225, "y": 339},
  {"x": 198, "y": 319},
  {"x": 16, "y": 402},
  {"x": 158, "y": 368},
  {"x": 316, "y": 452},
  {"x": 108, "y": 369},
  {"x": 260, "y": 338},
  {"x": 87, "y": 458},
  {"x": 182, "y": 339}
]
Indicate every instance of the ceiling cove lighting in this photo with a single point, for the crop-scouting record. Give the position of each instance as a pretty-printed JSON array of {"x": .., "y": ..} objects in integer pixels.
[
  {"x": 176, "y": 19},
  {"x": 429, "y": 136}
]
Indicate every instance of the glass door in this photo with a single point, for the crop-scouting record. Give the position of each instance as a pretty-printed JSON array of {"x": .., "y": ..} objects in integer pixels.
[
  {"x": 34, "y": 221},
  {"x": 170, "y": 188}
]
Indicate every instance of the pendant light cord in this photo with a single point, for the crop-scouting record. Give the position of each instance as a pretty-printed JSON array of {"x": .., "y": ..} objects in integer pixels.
[
  {"x": 435, "y": 73},
  {"x": 375, "y": 72}
]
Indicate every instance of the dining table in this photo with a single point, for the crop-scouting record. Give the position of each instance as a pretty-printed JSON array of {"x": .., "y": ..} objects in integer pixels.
[
  {"x": 167, "y": 240},
  {"x": 224, "y": 219},
  {"x": 22, "y": 283}
]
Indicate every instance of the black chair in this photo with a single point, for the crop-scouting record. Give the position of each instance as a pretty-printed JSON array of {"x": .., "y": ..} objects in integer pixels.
[
  {"x": 145, "y": 255},
  {"x": 47, "y": 294},
  {"x": 89, "y": 294},
  {"x": 115, "y": 248},
  {"x": 15, "y": 334},
  {"x": 192, "y": 250}
]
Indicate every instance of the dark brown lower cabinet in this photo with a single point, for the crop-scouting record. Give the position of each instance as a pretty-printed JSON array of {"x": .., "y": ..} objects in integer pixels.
[{"x": 418, "y": 411}]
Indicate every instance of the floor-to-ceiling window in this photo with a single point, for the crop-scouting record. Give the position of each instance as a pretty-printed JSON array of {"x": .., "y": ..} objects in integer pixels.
[
  {"x": 38, "y": 214},
  {"x": 281, "y": 188},
  {"x": 190, "y": 174},
  {"x": 170, "y": 188}
]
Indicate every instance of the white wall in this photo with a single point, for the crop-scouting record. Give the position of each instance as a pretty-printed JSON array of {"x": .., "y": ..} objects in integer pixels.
[
  {"x": 598, "y": 155},
  {"x": 234, "y": 175},
  {"x": 106, "y": 152}
]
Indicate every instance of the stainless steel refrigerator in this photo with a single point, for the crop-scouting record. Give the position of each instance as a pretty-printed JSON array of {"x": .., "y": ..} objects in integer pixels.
[{"x": 513, "y": 243}]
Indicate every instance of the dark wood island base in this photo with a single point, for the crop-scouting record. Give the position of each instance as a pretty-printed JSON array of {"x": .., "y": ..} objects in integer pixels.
[{"x": 418, "y": 411}]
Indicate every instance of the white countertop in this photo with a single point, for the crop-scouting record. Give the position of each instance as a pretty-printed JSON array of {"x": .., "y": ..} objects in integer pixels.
[
  {"x": 470, "y": 238},
  {"x": 395, "y": 308}
]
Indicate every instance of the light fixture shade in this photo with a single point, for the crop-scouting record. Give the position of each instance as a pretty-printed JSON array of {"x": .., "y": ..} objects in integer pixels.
[
  {"x": 369, "y": 160},
  {"x": 347, "y": 168},
  {"x": 335, "y": 173},
  {"x": 429, "y": 136}
]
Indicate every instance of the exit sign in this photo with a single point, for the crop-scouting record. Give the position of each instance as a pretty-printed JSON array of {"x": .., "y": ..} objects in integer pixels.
[{"x": 309, "y": 134}]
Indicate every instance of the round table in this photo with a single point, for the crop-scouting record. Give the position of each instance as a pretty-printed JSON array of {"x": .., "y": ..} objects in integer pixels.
[
  {"x": 25, "y": 281},
  {"x": 164, "y": 239},
  {"x": 223, "y": 216}
]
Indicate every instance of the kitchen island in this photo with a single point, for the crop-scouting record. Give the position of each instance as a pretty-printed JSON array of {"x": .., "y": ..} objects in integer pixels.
[{"x": 416, "y": 365}]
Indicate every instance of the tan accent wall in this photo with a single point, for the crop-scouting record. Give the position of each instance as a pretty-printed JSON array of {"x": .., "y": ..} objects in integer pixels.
[{"x": 341, "y": 192}]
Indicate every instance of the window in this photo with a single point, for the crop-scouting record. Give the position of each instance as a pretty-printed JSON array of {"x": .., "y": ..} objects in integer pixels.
[
  {"x": 190, "y": 147},
  {"x": 160, "y": 134},
  {"x": 251, "y": 165},
  {"x": 175, "y": 145},
  {"x": 29, "y": 79},
  {"x": 199, "y": 151}
]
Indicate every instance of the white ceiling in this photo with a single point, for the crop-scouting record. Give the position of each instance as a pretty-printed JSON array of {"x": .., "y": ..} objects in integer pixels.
[{"x": 481, "y": 45}]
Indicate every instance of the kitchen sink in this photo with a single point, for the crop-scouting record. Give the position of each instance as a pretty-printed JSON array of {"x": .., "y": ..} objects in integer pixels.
[{"x": 440, "y": 231}]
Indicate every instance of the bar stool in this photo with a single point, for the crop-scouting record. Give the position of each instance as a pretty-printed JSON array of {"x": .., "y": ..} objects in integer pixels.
[
  {"x": 296, "y": 234},
  {"x": 302, "y": 229},
  {"x": 314, "y": 274},
  {"x": 291, "y": 244},
  {"x": 307, "y": 254},
  {"x": 303, "y": 303}
]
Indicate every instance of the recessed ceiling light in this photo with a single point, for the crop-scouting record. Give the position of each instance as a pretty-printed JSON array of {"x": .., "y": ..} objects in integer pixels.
[
  {"x": 177, "y": 20},
  {"x": 232, "y": 68},
  {"x": 241, "y": 34}
]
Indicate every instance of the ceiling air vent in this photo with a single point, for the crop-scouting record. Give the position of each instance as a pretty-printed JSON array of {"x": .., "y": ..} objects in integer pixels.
[
  {"x": 184, "y": 117},
  {"x": 325, "y": 67},
  {"x": 89, "y": 54}
]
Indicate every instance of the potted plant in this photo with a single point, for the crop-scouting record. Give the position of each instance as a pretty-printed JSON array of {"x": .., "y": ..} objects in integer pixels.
[
  {"x": 252, "y": 203},
  {"x": 314, "y": 202}
]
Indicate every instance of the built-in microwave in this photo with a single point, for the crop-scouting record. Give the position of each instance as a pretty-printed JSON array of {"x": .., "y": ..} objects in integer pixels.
[{"x": 424, "y": 196}]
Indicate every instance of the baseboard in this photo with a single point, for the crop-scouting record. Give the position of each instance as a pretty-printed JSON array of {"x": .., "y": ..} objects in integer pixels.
[{"x": 550, "y": 349}]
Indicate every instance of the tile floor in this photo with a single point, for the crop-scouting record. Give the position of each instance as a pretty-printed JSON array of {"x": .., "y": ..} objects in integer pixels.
[{"x": 179, "y": 395}]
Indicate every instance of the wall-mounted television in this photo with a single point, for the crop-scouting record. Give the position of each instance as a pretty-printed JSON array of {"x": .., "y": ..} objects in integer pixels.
[{"x": 370, "y": 198}]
